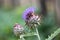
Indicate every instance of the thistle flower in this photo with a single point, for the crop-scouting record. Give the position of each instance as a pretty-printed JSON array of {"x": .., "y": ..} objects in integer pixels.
[
  {"x": 30, "y": 18},
  {"x": 18, "y": 29},
  {"x": 28, "y": 13}
]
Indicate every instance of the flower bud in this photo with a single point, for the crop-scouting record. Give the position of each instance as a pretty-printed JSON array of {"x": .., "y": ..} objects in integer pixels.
[{"x": 18, "y": 29}]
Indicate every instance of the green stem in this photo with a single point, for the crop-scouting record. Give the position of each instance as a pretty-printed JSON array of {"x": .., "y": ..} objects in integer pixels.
[
  {"x": 22, "y": 38},
  {"x": 30, "y": 34},
  {"x": 38, "y": 34},
  {"x": 54, "y": 34}
]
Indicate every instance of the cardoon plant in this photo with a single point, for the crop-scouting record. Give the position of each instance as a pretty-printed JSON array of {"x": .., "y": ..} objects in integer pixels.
[{"x": 32, "y": 20}]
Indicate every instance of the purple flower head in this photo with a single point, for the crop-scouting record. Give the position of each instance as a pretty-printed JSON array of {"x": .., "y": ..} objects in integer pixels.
[{"x": 28, "y": 13}]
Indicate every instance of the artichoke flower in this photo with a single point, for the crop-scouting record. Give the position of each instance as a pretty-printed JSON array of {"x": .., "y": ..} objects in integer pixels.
[
  {"x": 18, "y": 29},
  {"x": 31, "y": 18}
]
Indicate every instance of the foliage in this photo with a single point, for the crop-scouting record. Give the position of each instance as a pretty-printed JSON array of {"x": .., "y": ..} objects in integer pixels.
[{"x": 9, "y": 18}]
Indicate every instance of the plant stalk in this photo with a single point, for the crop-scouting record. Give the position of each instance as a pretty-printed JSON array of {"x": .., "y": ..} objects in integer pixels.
[
  {"x": 38, "y": 34},
  {"x": 22, "y": 38}
]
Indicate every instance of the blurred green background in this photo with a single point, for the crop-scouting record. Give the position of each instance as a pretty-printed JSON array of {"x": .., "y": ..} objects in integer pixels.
[{"x": 12, "y": 13}]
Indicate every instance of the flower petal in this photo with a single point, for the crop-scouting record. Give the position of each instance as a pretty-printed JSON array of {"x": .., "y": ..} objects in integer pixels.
[{"x": 30, "y": 9}]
